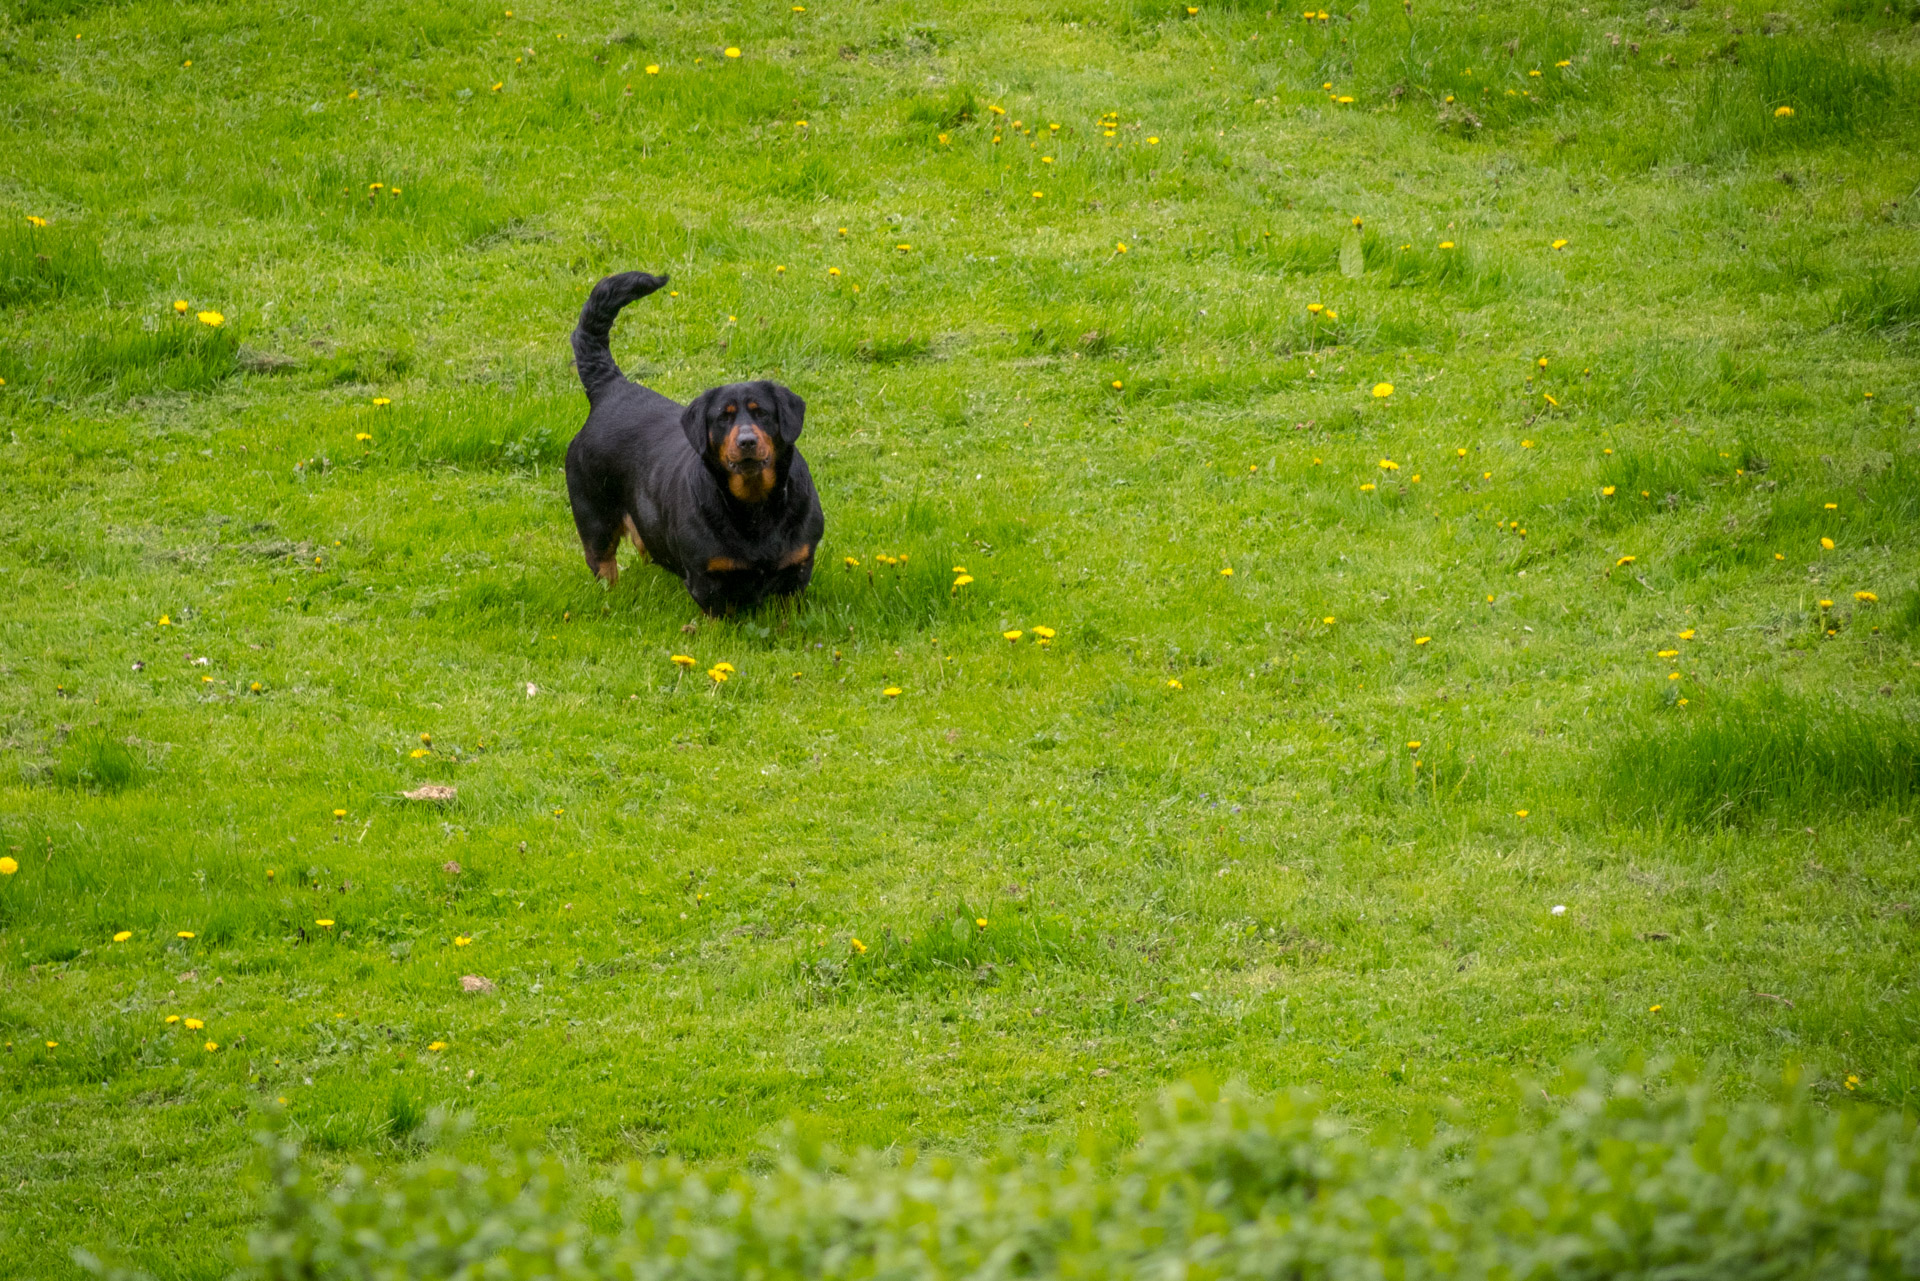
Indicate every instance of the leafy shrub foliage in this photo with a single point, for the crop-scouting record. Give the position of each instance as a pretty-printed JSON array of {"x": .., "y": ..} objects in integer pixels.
[{"x": 1607, "y": 1181}]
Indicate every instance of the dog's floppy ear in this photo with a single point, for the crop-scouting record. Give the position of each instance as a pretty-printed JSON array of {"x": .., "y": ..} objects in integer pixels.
[
  {"x": 793, "y": 412},
  {"x": 693, "y": 421}
]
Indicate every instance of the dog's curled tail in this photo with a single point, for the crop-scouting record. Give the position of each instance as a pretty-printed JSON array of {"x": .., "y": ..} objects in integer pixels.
[{"x": 592, "y": 355}]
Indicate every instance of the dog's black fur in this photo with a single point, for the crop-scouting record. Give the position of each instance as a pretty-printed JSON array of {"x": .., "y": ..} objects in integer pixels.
[{"x": 714, "y": 491}]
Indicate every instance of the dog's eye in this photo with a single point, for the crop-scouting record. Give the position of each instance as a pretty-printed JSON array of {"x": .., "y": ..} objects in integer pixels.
[
  {"x": 753, "y": 408},
  {"x": 732, "y": 409}
]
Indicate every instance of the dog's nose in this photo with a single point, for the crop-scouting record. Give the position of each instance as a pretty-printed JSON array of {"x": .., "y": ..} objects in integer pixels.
[{"x": 748, "y": 439}]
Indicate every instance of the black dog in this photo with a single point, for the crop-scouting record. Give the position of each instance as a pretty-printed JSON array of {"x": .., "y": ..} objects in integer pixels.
[{"x": 714, "y": 491}]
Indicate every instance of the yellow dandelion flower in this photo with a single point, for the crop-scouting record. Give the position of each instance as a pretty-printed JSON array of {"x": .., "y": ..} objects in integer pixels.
[
  {"x": 962, "y": 581},
  {"x": 653, "y": 69},
  {"x": 418, "y": 752},
  {"x": 184, "y": 934},
  {"x": 682, "y": 660},
  {"x": 324, "y": 922},
  {"x": 1779, "y": 556},
  {"x": 1550, "y": 400},
  {"x": 851, "y": 562},
  {"x": 981, "y": 921},
  {"x": 363, "y": 436},
  {"x": 1827, "y": 543},
  {"x": 123, "y": 936},
  {"x": 212, "y": 319},
  {"x": 1654, "y": 1009},
  {"x": 717, "y": 676},
  {"x": 172, "y": 1019},
  {"x": 1044, "y": 633},
  {"x": 1826, "y": 604},
  {"x": 1227, "y": 572},
  {"x": 858, "y": 946},
  {"x": 1413, "y": 744},
  {"x": 194, "y": 1025},
  {"x": 1118, "y": 385},
  {"x": 1624, "y": 560},
  {"x": 1446, "y": 244},
  {"x": 1687, "y": 635},
  {"x": 1520, "y": 813},
  {"x": 437, "y": 1046},
  {"x": 35, "y": 220},
  {"x": 1564, "y": 62},
  {"x": 1559, "y": 244},
  {"x": 461, "y": 940},
  {"x": 1421, "y": 640},
  {"x": 1387, "y": 464},
  {"x": 724, "y": 667},
  {"x": 1119, "y": 247},
  {"x": 1866, "y": 598},
  {"x": 732, "y": 52},
  {"x": 891, "y": 691},
  {"x": 8, "y": 865},
  {"x": 1367, "y": 488},
  {"x": 1666, "y": 653},
  {"x": 1011, "y": 636},
  {"x": 1526, "y": 444},
  {"x": 1606, "y": 491},
  {"x": 1782, "y": 113},
  {"x": 1172, "y": 684},
  {"x": 1328, "y": 620},
  {"x": 211, "y": 1046},
  {"x": 182, "y": 306},
  {"x": 1382, "y": 390},
  {"x": 833, "y": 271}
]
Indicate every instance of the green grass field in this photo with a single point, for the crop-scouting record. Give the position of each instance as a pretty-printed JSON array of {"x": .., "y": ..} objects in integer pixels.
[{"x": 1545, "y": 380}]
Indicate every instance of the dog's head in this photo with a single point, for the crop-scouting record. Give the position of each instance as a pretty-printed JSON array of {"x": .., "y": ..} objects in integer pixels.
[{"x": 745, "y": 433}]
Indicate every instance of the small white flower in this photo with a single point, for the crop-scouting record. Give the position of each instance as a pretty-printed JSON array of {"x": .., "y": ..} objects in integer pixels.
[
  {"x": 1559, "y": 909},
  {"x": 532, "y": 689}
]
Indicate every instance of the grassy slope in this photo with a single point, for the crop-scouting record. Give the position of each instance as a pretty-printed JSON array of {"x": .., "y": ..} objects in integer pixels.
[{"x": 1235, "y": 877}]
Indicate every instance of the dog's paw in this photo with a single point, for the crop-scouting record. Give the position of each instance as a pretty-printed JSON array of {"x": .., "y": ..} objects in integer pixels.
[{"x": 691, "y": 628}]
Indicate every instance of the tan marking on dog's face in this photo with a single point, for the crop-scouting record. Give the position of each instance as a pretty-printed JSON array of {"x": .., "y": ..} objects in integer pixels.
[
  {"x": 749, "y": 469},
  {"x": 798, "y": 556},
  {"x": 725, "y": 565}
]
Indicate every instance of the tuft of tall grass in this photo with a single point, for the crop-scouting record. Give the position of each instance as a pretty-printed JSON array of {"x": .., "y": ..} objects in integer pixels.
[
  {"x": 93, "y": 760},
  {"x": 55, "y": 261},
  {"x": 1887, "y": 300},
  {"x": 1784, "y": 92},
  {"x": 1763, "y": 753},
  {"x": 179, "y": 355},
  {"x": 958, "y": 945}
]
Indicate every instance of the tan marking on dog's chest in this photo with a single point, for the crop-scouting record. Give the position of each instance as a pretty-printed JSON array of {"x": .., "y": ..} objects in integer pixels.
[
  {"x": 751, "y": 489},
  {"x": 798, "y": 556},
  {"x": 726, "y": 565}
]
